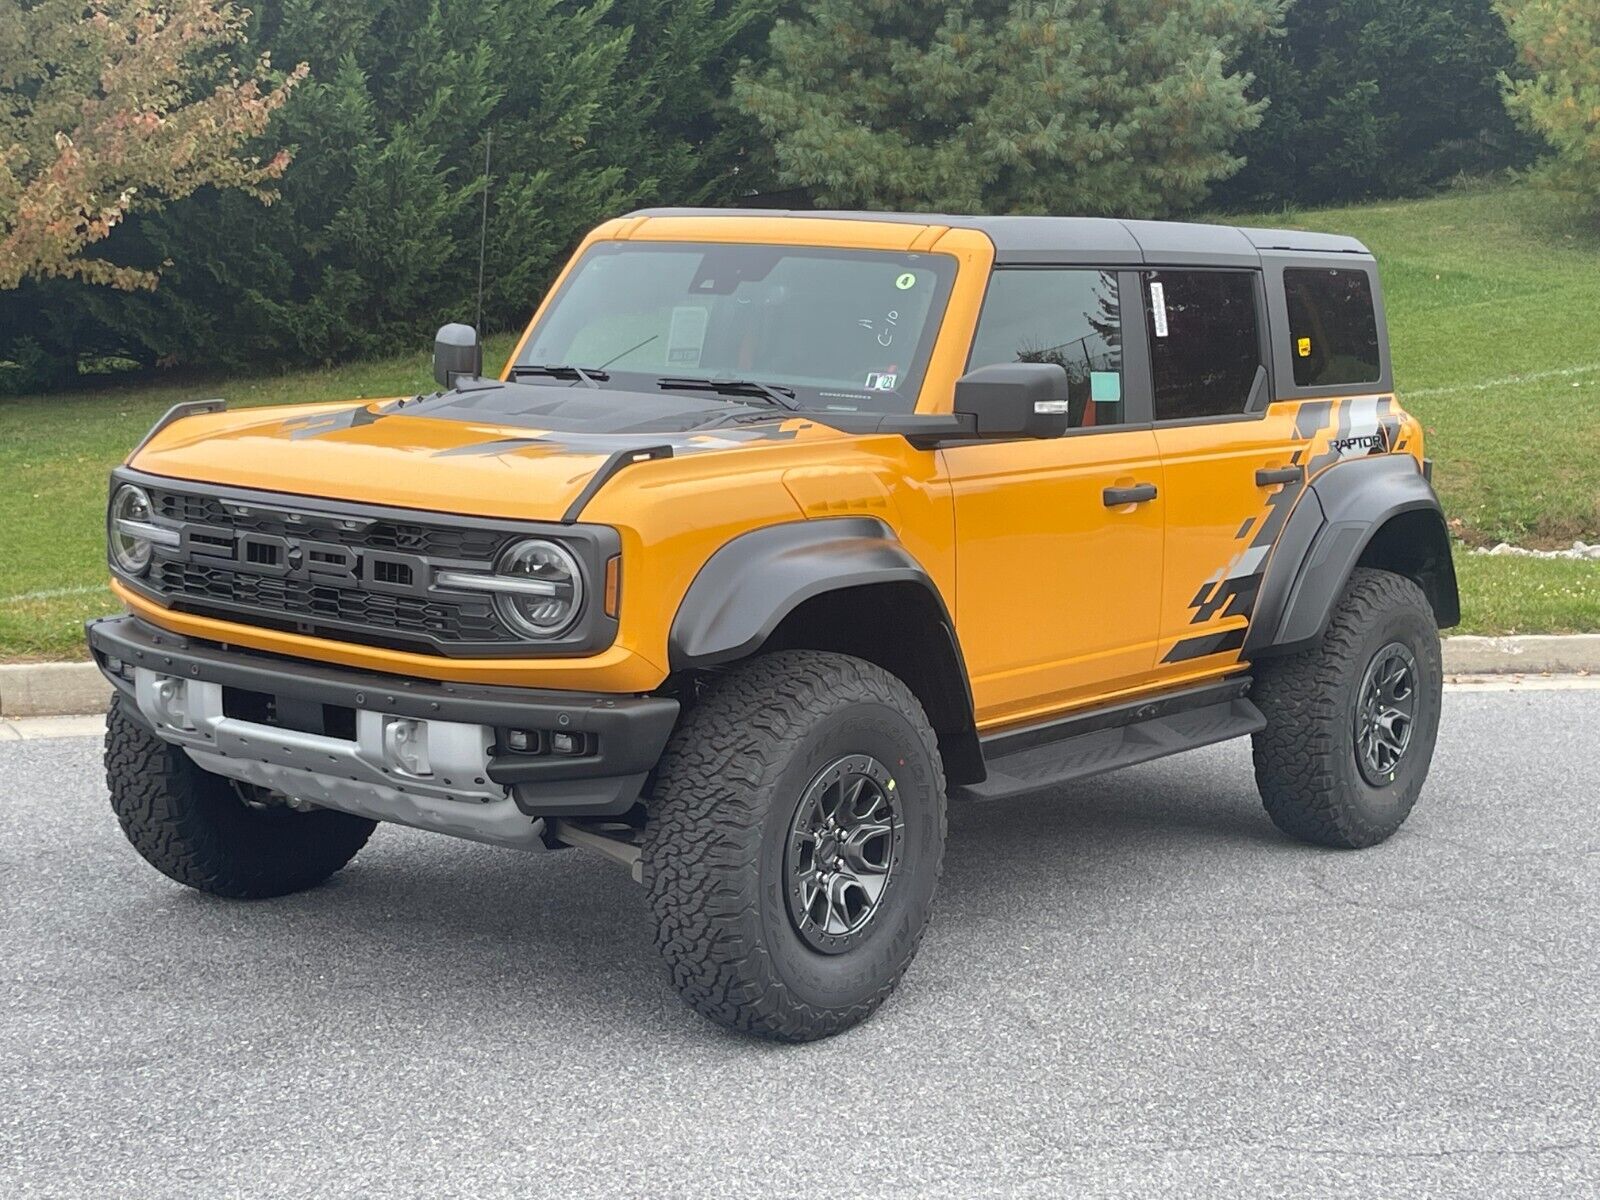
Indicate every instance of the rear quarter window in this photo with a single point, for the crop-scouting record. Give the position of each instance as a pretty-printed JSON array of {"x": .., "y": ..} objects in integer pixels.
[{"x": 1333, "y": 327}]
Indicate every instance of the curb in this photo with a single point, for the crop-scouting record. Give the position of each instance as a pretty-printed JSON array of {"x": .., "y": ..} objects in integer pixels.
[
  {"x": 69, "y": 689},
  {"x": 1529, "y": 654},
  {"x": 52, "y": 689}
]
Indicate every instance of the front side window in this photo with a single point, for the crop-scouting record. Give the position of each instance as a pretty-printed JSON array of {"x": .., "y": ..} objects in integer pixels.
[
  {"x": 843, "y": 330},
  {"x": 1205, "y": 343},
  {"x": 1069, "y": 317},
  {"x": 1333, "y": 327}
]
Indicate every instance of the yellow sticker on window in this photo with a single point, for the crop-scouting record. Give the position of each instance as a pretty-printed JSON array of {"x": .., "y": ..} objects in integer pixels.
[
  {"x": 906, "y": 282},
  {"x": 1304, "y": 347}
]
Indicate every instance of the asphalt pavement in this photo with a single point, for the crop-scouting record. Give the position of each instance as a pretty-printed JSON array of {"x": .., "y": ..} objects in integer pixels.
[{"x": 1136, "y": 987}]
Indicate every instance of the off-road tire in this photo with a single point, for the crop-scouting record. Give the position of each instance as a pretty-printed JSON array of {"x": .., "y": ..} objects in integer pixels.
[
  {"x": 194, "y": 827},
  {"x": 1305, "y": 759},
  {"x": 726, "y": 792}
]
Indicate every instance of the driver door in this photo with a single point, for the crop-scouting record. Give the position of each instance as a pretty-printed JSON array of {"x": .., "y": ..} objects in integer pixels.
[{"x": 1059, "y": 541}]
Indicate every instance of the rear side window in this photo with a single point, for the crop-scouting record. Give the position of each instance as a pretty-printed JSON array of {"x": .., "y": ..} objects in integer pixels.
[
  {"x": 1069, "y": 317},
  {"x": 1333, "y": 328},
  {"x": 1205, "y": 342}
]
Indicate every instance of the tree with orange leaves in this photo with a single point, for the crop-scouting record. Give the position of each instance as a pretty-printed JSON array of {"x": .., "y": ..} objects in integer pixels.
[
  {"x": 108, "y": 106},
  {"x": 1558, "y": 42}
]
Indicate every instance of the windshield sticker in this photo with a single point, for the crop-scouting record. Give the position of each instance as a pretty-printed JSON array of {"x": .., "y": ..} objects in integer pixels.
[
  {"x": 906, "y": 282},
  {"x": 1158, "y": 307},
  {"x": 686, "y": 337},
  {"x": 881, "y": 381},
  {"x": 1105, "y": 387}
]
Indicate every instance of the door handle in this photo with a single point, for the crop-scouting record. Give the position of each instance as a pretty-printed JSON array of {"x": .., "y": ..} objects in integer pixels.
[
  {"x": 1137, "y": 494},
  {"x": 1277, "y": 475}
]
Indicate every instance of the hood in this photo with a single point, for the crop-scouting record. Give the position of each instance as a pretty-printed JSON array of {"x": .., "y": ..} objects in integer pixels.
[{"x": 485, "y": 449}]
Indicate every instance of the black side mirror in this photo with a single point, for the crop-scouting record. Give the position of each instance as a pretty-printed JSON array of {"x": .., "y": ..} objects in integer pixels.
[
  {"x": 456, "y": 353},
  {"x": 1015, "y": 400}
]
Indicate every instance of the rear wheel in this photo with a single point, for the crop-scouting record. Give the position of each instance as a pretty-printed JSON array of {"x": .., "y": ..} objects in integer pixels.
[
  {"x": 795, "y": 839},
  {"x": 1351, "y": 722},
  {"x": 212, "y": 834}
]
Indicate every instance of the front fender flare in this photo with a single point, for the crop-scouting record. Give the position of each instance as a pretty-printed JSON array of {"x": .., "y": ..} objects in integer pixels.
[{"x": 746, "y": 589}]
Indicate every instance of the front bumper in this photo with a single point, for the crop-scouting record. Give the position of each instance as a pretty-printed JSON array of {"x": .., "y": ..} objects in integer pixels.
[{"x": 434, "y": 755}]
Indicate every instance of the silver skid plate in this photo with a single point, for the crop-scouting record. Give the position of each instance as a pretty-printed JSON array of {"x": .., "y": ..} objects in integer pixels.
[{"x": 428, "y": 774}]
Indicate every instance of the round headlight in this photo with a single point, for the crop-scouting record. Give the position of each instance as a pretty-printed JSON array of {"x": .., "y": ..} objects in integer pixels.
[
  {"x": 130, "y": 553},
  {"x": 552, "y": 594}
]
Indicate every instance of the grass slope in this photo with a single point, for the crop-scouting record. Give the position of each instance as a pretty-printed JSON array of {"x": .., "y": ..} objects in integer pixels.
[
  {"x": 55, "y": 453},
  {"x": 1494, "y": 309},
  {"x": 1493, "y": 296}
]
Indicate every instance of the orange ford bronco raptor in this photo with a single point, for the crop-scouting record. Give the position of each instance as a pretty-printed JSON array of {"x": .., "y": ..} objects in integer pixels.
[{"x": 776, "y": 531}]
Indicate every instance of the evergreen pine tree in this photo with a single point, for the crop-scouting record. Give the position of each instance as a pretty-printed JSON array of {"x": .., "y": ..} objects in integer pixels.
[{"x": 1071, "y": 106}]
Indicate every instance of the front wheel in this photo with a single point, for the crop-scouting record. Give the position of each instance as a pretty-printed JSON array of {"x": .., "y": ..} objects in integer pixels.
[
  {"x": 795, "y": 838},
  {"x": 1351, "y": 722},
  {"x": 208, "y": 832}
]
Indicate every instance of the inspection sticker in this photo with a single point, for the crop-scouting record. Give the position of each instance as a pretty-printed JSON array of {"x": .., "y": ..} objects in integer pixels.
[{"x": 686, "y": 336}]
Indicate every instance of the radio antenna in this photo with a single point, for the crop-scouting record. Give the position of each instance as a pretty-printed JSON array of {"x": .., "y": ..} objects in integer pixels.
[{"x": 483, "y": 231}]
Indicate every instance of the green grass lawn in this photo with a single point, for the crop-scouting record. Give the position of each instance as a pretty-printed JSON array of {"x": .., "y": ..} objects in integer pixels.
[
  {"x": 1494, "y": 310},
  {"x": 1493, "y": 296},
  {"x": 55, "y": 453}
]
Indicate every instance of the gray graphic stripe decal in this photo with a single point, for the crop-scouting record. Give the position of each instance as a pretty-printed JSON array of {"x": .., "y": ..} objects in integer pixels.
[
  {"x": 1364, "y": 427},
  {"x": 324, "y": 423}
]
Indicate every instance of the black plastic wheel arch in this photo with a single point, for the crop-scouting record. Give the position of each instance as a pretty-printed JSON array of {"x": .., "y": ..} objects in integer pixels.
[
  {"x": 1332, "y": 527},
  {"x": 750, "y": 585}
]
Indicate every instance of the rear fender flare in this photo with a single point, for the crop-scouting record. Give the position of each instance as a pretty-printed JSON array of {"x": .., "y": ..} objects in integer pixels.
[{"x": 1331, "y": 531}]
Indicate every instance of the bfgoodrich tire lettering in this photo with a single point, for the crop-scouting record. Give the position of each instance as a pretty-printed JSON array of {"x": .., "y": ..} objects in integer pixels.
[
  {"x": 1306, "y": 759},
  {"x": 193, "y": 827},
  {"x": 721, "y": 820}
]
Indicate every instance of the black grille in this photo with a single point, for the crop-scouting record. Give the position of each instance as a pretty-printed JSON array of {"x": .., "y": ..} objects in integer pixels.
[
  {"x": 381, "y": 533},
  {"x": 315, "y": 605},
  {"x": 392, "y": 605}
]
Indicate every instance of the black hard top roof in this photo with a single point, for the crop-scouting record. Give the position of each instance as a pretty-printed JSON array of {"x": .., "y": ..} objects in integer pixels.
[{"x": 1089, "y": 240}]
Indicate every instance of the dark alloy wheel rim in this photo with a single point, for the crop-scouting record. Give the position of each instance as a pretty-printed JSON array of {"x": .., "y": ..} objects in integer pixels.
[
  {"x": 844, "y": 845},
  {"x": 1386, "y": 713}
]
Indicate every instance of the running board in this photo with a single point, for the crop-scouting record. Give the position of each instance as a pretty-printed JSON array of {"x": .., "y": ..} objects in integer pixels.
[{"x": 1079, "y": 755}]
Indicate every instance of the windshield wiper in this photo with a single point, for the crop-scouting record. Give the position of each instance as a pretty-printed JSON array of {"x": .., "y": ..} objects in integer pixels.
[
  {"x": 780, "y": 397},
  {"x": 589, "y": 376}
]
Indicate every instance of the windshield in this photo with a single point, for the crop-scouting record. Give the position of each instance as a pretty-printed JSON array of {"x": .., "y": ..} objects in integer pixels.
[{"x": 843, "y": 330}]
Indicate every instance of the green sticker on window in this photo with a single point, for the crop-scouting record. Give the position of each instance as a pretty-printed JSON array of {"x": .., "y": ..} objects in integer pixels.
[
  {"x": 1105, "y": 387},
  {"x": 906, "y": 282}
]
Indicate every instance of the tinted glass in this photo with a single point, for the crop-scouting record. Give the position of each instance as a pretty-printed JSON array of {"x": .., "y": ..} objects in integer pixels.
[
  {"x": 1333, "y": 329},
  {"x": 1068, "y": 317},
  {"x": 846, "y": 330},
  {"x": 1205, "y": 347}
]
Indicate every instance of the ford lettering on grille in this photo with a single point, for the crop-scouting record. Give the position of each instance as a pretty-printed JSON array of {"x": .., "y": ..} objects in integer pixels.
[
  {"x": 305, "y": 559},
  {"x": 357, "y": 578}
]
